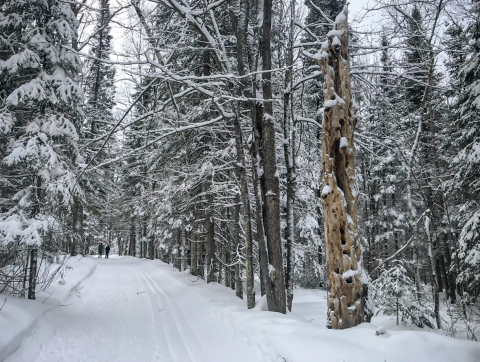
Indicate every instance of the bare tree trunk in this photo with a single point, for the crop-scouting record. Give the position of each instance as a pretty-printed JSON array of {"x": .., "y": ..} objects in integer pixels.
[
  {"x": 184, "y": 247},
  {"x": 80, "y": 229},
  {"x": 132, "y": 245},
  {"x": 210, "y": 243},
  {"x": 228, "y": 248},
  {"x": 151, "y": 240},
  {"x": 432, "y": 260},
  {"x": 178, "y": 254},
  {"x": 266, "y": 282},
  {"x": 120, "y": 245},
  {"x": 74, "y": 226},
  {"x": 201, "y": 259},
  {"x": 33, "y": 274},
  {"x": 339, "y": 193},
  {"x": 289, "y": 147},
  {"x": 238, "y": 14},
  {"x": 240, "y": 172},
  {"x": 193, "y": 253},
  {"x": 269, "y": 179},
  {"x": 238, "y": 265}
]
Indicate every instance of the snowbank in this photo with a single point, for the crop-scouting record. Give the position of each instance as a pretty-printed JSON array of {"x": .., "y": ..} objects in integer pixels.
[
  {"x": 141, "y": 310},
  {"x": 301, "y": 336},
  {"x": 19, "y": 316}
]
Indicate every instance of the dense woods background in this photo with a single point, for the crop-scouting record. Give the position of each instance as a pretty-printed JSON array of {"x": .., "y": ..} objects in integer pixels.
[{"x": 198, "y": 141}]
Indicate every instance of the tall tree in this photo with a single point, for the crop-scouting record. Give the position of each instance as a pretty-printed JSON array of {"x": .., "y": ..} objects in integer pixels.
[
  {"x": 340, "y": 193},
  {"x": 41, "y": 111}
]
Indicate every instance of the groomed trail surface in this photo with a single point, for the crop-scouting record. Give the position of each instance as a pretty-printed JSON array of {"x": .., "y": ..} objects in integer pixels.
[
  {"x": 136, "y": 310},
  {"x": 120, "y": 313}
]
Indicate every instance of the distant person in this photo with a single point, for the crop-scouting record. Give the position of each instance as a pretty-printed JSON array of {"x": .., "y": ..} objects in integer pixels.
[
  {"x": 107, "y": 250},
  {"x": 100, "y": 250}
]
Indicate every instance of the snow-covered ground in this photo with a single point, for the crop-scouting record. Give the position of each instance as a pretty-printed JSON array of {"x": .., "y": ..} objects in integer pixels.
[{"x": 128, "y": 309}]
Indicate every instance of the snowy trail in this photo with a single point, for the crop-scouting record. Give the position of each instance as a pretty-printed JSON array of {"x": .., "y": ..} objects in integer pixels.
[
  {"x": 137, "y": 310},
  {"x": 181, "y": 342},
  {"x": 105, "y": 319}
]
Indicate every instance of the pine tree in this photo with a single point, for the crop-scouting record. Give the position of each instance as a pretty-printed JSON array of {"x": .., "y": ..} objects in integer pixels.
[
  {"x": 466, "y": 163},
  {"x": 40, "y": 114},
  {"x": 100, "y": 99},
  {"x": 394, "y": 293},
  {"x": 100, "y": 89}
]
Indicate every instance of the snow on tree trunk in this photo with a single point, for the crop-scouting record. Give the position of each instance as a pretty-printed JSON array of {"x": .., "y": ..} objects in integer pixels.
[
  {"x": 269, "y": 182},
  {"x": 432, "y": 258},
  {"x": 240, "y": 172},
  {"x": 210, "y": 243},
  {"x": 339, "y": 194},
  {"x": 238, "y": 265},
  {"x": 266, "y": 283},
  {"x": 193, "y": 254},
  {"x": 289, "y": 150},
  {"x": 33, "y": 274}
]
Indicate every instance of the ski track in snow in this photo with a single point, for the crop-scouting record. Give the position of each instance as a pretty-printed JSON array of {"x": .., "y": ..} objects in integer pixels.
[
  {"x": 184, "y": 345},
  {"x": 106, "y": 320},
  {"x": 134, "y": 310}
]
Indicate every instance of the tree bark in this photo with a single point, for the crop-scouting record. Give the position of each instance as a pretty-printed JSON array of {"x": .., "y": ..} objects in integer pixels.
[
  {"x": 339, "y": 193},
  {"x": 289, "y": 147},
  {"x": 193, "y": 254},
  {"x": 238, "y": 265},
  {"x": 74, "y": 226},
  {"x": 132, "y": 246},
  {"x": 266, "y": 282},
  {"x": 33, "y": 274},
  {"x": 184, "y": 247},
  {"x": 210, "y": 242},
  {"x": 433, "y": 268},
  {"x": 269, "y": 179},
  {"x": 240, "y": 172},
  {"x": 238, "y": 14}
]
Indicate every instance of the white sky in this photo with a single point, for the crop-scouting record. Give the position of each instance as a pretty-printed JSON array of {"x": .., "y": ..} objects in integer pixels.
[
  {"x": 355, "y": 17},
  {"x": 357, "y": 5}
]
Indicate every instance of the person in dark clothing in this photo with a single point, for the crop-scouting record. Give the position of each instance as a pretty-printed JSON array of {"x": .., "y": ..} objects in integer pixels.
[
  {"x": 107, "y": 250},
  {"x": 100, "y": 250}
]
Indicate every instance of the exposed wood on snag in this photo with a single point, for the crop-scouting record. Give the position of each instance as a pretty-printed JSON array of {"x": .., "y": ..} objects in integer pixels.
[{"x": 339, "y": 194}]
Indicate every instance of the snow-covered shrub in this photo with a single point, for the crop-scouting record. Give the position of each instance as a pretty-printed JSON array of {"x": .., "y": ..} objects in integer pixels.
[
  {"x": 15, "y": 260},
  {"x": 394, "y": 293}
]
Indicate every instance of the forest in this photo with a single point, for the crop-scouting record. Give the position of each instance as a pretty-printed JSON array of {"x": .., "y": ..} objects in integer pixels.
[{"x": 267, "y": 146}]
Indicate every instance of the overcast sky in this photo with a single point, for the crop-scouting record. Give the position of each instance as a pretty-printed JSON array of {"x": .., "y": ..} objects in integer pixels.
[{"x": 357, "y": 5}]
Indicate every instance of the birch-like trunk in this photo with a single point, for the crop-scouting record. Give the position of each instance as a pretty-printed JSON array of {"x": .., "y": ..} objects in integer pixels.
[{"x": 339, "y": 193}]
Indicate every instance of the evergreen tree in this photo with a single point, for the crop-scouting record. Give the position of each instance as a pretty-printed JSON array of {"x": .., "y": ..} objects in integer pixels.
[
  {"x": 100, "y": 88},
  {"x": 466, "y": 162},
  {"x": 40, "y": 114},
  {"x": 394, "y": 293},
  {"x": 416, "y": 60},
  {"x": 100, "y": 99}
]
